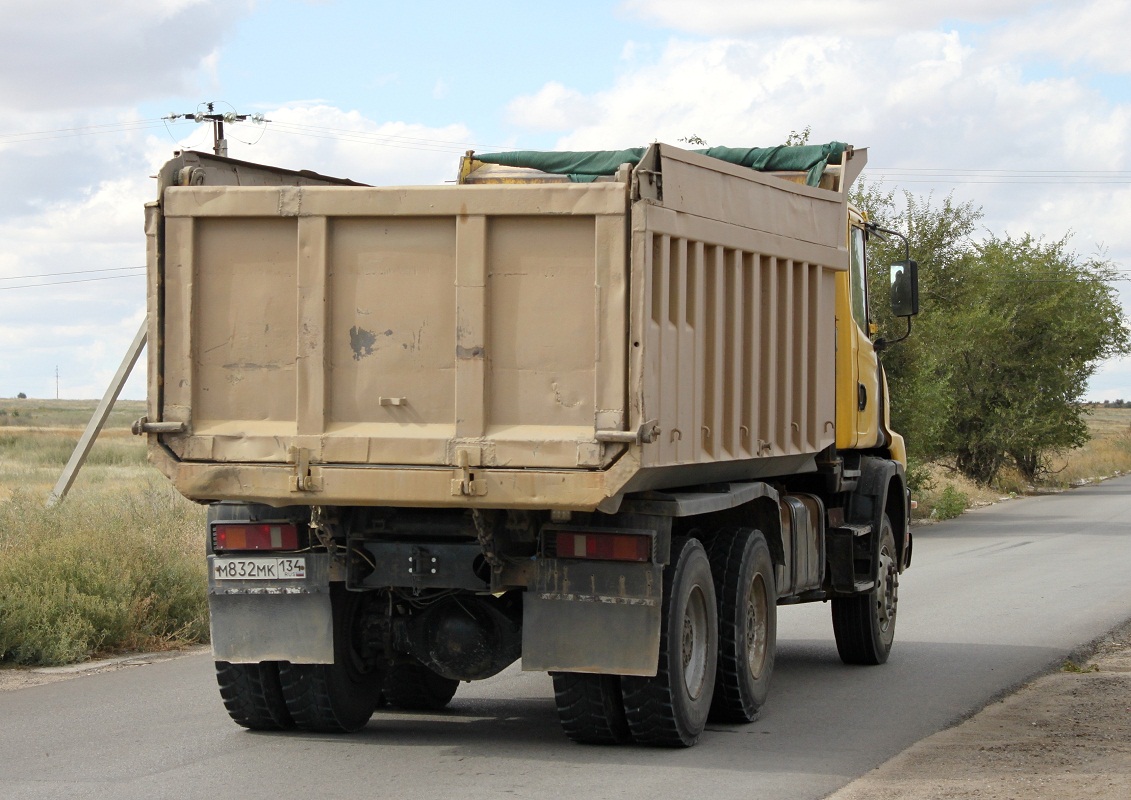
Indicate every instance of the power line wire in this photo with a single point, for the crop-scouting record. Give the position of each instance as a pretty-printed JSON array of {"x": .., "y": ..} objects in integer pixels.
[
  {"x": 965, "y": 175},
  {"x": 1032, "y": 182},
  {"x": 71, "y": 272},
  {"x": 84, "y": 130},
  {"x": 964, "y": 170},
  {"x": 62, "y": 283}
]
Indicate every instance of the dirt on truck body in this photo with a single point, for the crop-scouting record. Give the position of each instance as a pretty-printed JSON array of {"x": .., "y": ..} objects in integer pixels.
[{"x": 603, "y": 412}]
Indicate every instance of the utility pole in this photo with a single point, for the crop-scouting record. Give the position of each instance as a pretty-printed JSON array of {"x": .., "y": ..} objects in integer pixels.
[{"x": 219, "y": 143}]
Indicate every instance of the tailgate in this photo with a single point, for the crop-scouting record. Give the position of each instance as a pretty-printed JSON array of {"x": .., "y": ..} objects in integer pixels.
[{"x": 393, "y": 326}]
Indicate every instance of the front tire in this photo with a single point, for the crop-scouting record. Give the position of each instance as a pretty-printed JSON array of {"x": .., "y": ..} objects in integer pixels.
[
  {"x": 864, "y": 625},
  {"x": 748, "y": 624},
  {"x": 670, "y": 709}
]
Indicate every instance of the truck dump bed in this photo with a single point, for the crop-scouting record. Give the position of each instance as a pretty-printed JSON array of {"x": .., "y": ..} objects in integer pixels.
[{"x": 539, "y": 344}]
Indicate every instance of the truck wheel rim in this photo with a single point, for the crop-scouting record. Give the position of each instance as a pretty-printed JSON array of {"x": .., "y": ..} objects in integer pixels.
[
  {"x": 693, "y": 646},
  {"x": 888, "y": 591},
  {"x": 756, "y": 634}
]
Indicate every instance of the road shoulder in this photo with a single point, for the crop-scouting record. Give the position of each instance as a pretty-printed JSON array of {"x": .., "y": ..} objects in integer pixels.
[
  {"x": 1065, "y": 734},
  {"x": 12, "y": 678}
]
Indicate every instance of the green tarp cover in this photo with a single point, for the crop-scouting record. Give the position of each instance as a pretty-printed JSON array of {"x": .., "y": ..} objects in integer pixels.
[{"x": 586, "y": 165}]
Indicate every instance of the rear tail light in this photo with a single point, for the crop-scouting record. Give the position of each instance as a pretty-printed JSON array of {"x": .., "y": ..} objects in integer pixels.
[
  {"x": 599, "y": 545},
  {"x": 254, "y": 536}
]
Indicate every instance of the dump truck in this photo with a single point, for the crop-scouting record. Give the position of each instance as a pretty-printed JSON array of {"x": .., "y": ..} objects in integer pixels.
[{"x": 601, "y": 413}]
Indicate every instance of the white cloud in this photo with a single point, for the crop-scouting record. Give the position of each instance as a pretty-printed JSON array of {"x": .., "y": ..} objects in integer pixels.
[
  {"x": 59, "y": 54},
  {"x": 727, "y": 91},
  {"x": 347, "y": 144},
  {"x": 730, "y": 18},
  {"x": 85, "y": 321},
  {"x": 554, "y": 107},
  {"x": 1092, "y": 33}
]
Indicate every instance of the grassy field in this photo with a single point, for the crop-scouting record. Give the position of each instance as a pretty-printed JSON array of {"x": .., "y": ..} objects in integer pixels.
[{"x": 118, "y": 566}]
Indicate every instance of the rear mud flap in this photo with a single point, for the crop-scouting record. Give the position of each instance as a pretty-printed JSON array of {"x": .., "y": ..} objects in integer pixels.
[
  {"x": 289, "y": 627},
  {"x": 255, "y": 621},
  {"x": 609, "y": 625}
]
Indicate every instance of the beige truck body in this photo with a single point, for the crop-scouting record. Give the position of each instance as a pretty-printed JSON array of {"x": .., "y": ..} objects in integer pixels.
[
  {"x": 606, "y": 428},
  {"x": 546, "y": 345}
]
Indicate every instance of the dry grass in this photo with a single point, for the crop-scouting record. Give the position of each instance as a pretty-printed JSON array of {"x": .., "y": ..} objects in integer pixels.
[
  {"x": 117, "y": 566},
  {"x": 71, "y": 414}
]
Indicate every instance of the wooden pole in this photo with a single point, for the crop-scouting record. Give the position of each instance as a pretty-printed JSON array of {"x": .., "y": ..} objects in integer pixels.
[{"x": 82, "y": 449}]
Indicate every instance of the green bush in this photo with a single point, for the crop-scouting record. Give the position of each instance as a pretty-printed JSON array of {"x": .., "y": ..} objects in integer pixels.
[
  {"x": 919, "y": 479},
  {"x": 951, "y": 503},
  {"x": 101, "y": 572}
]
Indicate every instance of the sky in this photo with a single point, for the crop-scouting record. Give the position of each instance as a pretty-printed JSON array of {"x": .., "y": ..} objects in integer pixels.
[{"x": 1021, "y": 107}]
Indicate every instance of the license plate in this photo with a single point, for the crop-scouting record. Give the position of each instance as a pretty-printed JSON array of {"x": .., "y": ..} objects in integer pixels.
[{"x": 259, "y": 569}]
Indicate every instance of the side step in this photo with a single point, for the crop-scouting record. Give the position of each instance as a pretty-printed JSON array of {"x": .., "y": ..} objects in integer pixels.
[{"x": 844, "y": 544}]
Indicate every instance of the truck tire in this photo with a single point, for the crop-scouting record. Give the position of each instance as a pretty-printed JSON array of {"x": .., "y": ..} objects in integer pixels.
[
  {"x": 253, "y": 695},
  {"x": 670, "y": 709},
  {"x": 864, "y": 625},
  {"x": 748, "y": 624},
  {"x": 591, "y": 708},
  {"x": 414, "y": 687},
  {"x": 338, "y": 697}
]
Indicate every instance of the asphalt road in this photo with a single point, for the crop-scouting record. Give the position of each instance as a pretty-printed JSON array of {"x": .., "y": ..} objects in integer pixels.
[{"x": 991, "y": 599}]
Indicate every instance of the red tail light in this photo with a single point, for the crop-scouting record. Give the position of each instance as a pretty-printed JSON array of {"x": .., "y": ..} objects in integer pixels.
[
  {"x": 602, "y": 546},
  {"x": 254, "y": 536}
]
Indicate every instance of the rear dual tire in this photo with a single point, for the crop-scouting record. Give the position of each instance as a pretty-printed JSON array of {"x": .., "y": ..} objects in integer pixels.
[
  {"x": 591, "y": 707},
  {"x": 253, "y": 695},
  {"x": 747, "y": 598},
  {"x": 338, "y": 697},
  {"x": 325, "y": 698},
  {"x": 670, "y": 709}
]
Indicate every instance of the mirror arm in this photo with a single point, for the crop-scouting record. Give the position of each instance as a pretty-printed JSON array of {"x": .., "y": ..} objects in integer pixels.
[
  {"x": 882, "y": 344},
  {"x": 874, "y": 228}
]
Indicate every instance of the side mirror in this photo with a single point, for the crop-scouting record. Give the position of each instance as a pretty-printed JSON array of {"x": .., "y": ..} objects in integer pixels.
[{"x": 904, "y": 289}]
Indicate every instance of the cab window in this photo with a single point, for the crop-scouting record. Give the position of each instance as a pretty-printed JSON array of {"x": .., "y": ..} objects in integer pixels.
[{"x": 859, "y": 279}]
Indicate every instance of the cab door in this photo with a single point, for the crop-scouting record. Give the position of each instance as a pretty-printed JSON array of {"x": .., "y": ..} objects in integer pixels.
[{"x": 858, "y": 384}]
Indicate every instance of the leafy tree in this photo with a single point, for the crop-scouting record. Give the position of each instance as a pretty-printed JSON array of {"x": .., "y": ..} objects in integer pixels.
[
  {"x": 1037, "y": 321},
  {"x": 918, "y": 370},
  {"x": 796, "y": 138},
  {"x": 1010, "y": 332}
]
